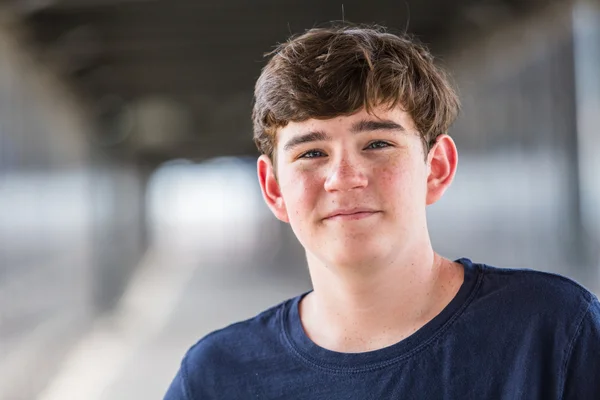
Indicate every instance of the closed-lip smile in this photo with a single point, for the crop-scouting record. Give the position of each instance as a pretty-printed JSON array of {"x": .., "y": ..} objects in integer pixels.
[{"x": 351, "y": 213}]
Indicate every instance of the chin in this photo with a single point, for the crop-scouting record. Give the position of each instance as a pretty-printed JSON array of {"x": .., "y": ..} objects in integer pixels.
[{"x": 357, "y": 254}]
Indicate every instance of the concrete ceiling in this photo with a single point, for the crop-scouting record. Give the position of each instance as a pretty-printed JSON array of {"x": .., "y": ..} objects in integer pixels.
[{"x": 206, "y": 55}]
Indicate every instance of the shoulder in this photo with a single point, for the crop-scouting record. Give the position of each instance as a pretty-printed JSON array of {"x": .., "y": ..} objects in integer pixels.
[
  {"x": 233, "y": 349},
  {"x": 233, "y": 353},
  {"x": 535, "y": 283},
  {"x": 528, "y": 291}
]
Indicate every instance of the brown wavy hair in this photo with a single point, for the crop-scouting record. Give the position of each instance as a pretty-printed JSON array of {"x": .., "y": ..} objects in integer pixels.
[{"x": 327, "y": 72}]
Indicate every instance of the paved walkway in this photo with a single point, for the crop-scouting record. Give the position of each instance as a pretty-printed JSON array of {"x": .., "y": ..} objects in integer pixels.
[{"x": 176, "y": 298}]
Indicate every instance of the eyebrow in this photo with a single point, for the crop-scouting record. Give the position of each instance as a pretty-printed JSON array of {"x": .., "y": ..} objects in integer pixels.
[
  {"x": 313, "y": 136},
  {"x": 367, "y": 125},
  {"x": 358, "y": 127}
]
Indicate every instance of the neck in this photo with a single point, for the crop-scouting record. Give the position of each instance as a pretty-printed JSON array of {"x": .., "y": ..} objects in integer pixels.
[{"x": 363, "y": 309}]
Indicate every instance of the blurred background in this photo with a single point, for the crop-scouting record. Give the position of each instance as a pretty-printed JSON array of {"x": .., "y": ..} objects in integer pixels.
[{"x": 131, "y": 221}]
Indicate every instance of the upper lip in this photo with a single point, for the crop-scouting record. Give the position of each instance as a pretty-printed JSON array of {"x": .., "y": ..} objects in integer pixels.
[{"x": 349, "y": 211}]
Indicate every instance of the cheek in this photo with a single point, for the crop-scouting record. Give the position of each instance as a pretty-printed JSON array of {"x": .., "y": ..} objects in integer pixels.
[
  {"x": 389, "y": 176},
  {"x": 301, "y": 196},
  {"x": 401, "y": 181},
  {"x": 301, "y": 191}
]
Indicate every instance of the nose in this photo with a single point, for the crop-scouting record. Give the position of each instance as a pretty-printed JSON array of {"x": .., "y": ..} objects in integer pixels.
[{"x": 345, "y": 176}]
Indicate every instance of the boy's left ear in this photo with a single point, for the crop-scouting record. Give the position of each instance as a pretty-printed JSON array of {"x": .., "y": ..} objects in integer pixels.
[{"x": 442, "y": 162}]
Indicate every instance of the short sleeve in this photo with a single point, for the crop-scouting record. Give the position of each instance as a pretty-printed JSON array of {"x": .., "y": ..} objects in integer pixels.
[{"x": 582, "y": 368}]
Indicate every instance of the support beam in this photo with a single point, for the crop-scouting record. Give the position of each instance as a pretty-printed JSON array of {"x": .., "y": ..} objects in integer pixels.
[{"x": 586, "y": 38}]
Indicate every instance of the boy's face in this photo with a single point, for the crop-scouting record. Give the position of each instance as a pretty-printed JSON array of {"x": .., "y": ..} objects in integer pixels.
[{"x": 354, "y": 188}]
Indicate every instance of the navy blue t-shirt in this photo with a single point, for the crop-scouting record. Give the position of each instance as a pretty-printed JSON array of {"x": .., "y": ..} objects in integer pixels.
[{"x": 508, "y": 334}]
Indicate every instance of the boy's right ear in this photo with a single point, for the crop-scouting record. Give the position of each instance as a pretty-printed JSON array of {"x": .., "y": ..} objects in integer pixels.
[{"x": 270, "y": 188}]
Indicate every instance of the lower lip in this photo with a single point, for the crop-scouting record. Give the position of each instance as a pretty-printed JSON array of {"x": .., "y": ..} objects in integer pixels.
[{"x": 352, "y": 217}]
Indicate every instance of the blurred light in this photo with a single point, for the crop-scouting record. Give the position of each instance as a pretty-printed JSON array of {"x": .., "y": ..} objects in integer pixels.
[{"x": 212, "y": 206}]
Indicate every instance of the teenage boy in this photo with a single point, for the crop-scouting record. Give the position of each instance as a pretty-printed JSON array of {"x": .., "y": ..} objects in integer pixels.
[{"x": 352, "y": 125}]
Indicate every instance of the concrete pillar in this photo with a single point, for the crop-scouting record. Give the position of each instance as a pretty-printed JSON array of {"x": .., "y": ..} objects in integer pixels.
[{"x": 586, "y": 41}]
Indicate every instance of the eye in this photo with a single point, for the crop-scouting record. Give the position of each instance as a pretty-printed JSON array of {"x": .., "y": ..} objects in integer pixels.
[
  {"x": 312, "y": 154},
  {"x": 378, "y": 144}
]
